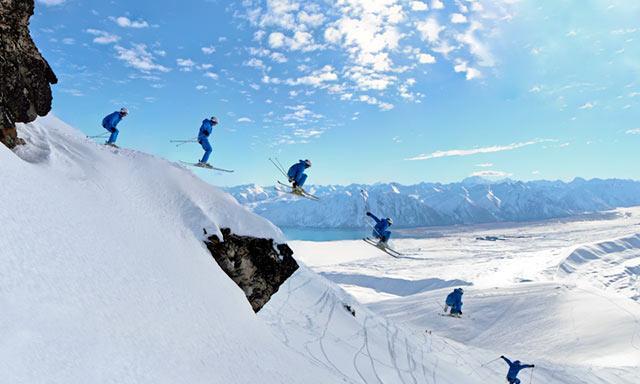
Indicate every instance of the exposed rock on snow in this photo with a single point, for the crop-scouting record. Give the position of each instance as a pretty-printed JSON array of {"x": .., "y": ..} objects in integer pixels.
[
  {"x": 254, "y": 264},
  {"x": 25, "y": 76}
]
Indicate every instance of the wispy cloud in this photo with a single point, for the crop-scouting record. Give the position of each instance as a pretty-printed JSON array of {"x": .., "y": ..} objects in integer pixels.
[
  {"x": 491, "y": 174},
  {"x": 139, "y": 58},
  {"x": 102, "y": 37},
  {"x": 475, "y": 151},
  {"x": 49, "y": 3},
  {"x": 635, "y": 131},
  {"x": 484, "y": 165},
  {"x": 244, "y": 120}
]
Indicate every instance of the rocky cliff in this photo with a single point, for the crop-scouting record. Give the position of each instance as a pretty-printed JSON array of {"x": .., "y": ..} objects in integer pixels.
[
  {"x": 258, "y": 266},
  {"x": 25, "y": 76}
]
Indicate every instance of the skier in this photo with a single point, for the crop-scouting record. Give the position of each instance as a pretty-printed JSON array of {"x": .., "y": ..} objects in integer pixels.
[
  {"x": 380, "y": 230},
  {"x": 110, "y": 122},
  {"x": 514, "y": 369},
  {"x": 203, "y": 138},
  {"x": 454, "y": 300},
  {"x": 297, "y": 176}
]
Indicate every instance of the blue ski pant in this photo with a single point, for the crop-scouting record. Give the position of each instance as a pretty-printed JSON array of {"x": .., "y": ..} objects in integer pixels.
[
  {"x": 456, "y": 309},
  {"x": 384, "y": 236},
  {"x": 513, "y": 381},
  {"x": 301, "y": 180},
  {"x": 114, "y": 135},
  {"x": 207, "y": 149}
]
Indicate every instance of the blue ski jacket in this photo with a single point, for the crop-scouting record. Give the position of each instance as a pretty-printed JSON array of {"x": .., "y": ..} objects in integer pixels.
[
  {"x": 381, "y": 225},
  {"x": 297, "y": 170},
  {"x": 205, "y": 129},
  {"x": 454, "y": 299},
  {"x": 515, "y": 367},
  {"x": 111, "y": 121}
]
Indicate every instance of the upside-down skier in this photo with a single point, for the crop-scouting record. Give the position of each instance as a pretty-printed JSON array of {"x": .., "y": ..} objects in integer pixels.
[
  {"x": 515, "y": 368},
  {"x": 381, "y": 229},
  {"x": 110, "y": 122},
  {"x": 203, "y": 139},
  {"x": 297, "y": 176}
]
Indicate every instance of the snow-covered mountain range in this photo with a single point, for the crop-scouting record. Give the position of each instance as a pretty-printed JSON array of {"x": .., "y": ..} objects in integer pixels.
[{"x": 472, "y": 201}]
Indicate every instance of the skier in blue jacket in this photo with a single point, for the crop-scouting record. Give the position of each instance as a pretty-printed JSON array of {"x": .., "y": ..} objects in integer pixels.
[
  {"x": 514, "y": 369},
  {"x": 454, "y": 300},
  {"x": 110, "y": 122},
  {"x": 203, "y": 138},
  {"x": 381, "y": 229},
  {"x": 296, "y": 174}
]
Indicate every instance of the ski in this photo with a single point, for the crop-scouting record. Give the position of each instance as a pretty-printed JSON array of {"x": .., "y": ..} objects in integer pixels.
[
  {"x": 303, "y": 193},
  {"x": 112, "y": 145},
  {"x": 450, "y": 315},
  {"x": 389, "y": 251},
  {"x": 198, "y": 165}
]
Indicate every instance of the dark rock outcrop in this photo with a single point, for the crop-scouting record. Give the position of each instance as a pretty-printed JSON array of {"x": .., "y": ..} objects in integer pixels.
[
  {"x": 25, "y": 76},
  {"x": 258, "y": 266}
]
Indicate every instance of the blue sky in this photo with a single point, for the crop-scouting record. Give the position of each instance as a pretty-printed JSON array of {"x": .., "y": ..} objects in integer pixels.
[{"x": 370, "y": 90}]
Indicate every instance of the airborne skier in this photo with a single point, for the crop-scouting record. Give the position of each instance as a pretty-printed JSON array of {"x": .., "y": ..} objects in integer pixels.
[
  {"x": 454, "y": 300},
  {"x": 381, "y": 229},
  {"x": 110, "y": 122},
  {"x": 203, "y": 139},
  {"x": 515, "y": 368},
  {"x": 297, "y": 176}
]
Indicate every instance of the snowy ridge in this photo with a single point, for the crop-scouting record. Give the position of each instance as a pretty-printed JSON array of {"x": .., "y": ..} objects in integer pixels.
[
  {"x": 104, "y": 277},
  {"x": 612, "y": 264},
  {"x": 471, "y": 201}
]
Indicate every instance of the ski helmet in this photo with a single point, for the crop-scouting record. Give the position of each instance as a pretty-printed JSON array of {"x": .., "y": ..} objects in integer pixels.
[
  {"x": 307, "y": 163},
  {"x": 389, "y": 221},
  {"x": 517, "y": 362},
  {"x": 214, "y": 120},
  {"x": 461, "y": 290},
  {"x": 124, "y": 111}
]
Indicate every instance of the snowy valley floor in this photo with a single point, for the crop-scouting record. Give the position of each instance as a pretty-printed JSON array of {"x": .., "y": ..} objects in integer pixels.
[{"x": 562, "y": 294}]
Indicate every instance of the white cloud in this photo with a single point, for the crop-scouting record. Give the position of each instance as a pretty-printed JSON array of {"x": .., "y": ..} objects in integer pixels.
[
  {"x": 278, "y": 57},
  {"x": 484, "y": 165},
  {"x": 491, "y": 174},
  {"x": 419, "y": 6},
  {"x": 471, "y": 73},
  {"x": 635, "y": 131},
  {"x": 587, "y": 105},
  {"x": 316, "y": 78},
  {"x": 68, "y": 41},
  {"x": 253, "y": 62},
  {"x": 475, "y": 151},
  {"x": 244, "y": 120},
  {"x": 49, "y": 3},
  {"x": 425, "y": 58},
  {"x": 300, "y": 113},
  {"x": 307, "y": 133},
  {"x": 536, "y": 89},
  {"x": 139, "y": 58},
  {"x": 125, "y": 22},
  {"x": 458, "y": 18},
  {"x": 437, "y": 4},
  {"x": 208, "y": 50},
  {"x": 102, "y": 37},
  {"x": 430, "y": 30},
  {"x": 201, "y": 87},
  {"x": 186, "y": 65},
  {"x": 211, "y": 75},
  {"x": 301, "y": 41}
]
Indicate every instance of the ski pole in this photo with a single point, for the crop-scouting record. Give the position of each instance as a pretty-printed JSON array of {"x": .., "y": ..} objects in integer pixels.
[
  {"x": 531, "y": 377},
  {"x": 98, "y": 136},
  {"x": 183, "y": 142},
  {"x": 279, "y": 167},
  {"x": 489, "y": 362}
]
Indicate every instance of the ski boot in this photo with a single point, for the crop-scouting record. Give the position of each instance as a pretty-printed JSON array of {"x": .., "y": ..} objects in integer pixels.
[
  {"x": 203, "y": 165},
  {"x": 110, "y": 144}
]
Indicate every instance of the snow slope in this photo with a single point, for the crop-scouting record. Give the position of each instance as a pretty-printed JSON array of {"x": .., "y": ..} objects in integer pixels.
[
  {"x": 518, "y": 299},
  {"x": 612, "y": 264},
  {"x": 104, "y": 278}
]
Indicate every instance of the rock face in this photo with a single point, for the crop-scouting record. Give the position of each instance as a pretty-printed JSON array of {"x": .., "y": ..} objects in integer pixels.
[
  {"x": 25, "y": 76},
  {"x": 258, "y": 266}
]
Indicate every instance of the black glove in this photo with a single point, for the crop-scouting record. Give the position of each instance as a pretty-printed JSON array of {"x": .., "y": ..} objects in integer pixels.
[
  {"x": 368, "y": 213},
  {"x": 533, "y": 365},
  {"x": 502, "y": 357}
]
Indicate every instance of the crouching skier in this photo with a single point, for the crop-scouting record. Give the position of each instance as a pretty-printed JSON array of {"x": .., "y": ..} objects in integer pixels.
[
  {"x": 454, "y": 300},
  {"x": 110, "y": 122},
  {"x": 297, "y": 176},
  {"x": 515, "y": 368}
]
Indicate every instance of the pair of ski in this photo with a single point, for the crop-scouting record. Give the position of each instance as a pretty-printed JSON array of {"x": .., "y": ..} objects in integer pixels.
[
  {"x": 206, "y": 166},
  {"x": 383, "y": 247}
]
